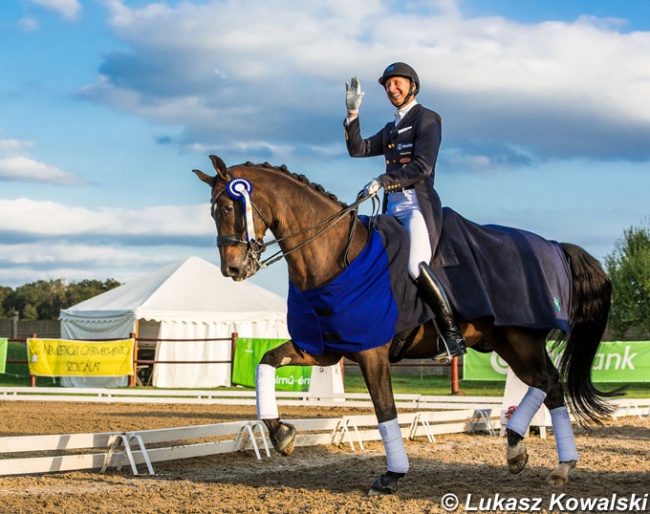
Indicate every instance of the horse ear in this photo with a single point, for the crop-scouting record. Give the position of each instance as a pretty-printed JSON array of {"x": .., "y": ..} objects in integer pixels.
[
  {"x": 220, "y": 166},
  {"x": 204, "y": 177}
]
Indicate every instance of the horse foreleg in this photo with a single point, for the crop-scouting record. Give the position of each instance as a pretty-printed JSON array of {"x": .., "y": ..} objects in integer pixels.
[
  {"x": 282, "y": 435},
  {"x": 375, "y": 368}
]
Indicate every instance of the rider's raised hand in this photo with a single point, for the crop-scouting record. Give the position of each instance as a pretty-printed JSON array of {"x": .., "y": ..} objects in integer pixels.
[{"x": 353, "y": 96}]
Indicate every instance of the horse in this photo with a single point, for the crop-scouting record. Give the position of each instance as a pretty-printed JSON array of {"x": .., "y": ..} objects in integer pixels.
[{"x": 319, "y": 237}]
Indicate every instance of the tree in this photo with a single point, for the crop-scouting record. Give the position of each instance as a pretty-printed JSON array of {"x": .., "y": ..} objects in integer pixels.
[
  {"x": 629, "y": 270},
  {"x": 38, "y": 300},
  {"x": 80, "y": 291},
  {"x": 44, "y": 300},
  {"x": 4, "y": 293}
]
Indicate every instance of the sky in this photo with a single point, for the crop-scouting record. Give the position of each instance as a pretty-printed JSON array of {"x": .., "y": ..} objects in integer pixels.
[{"x": 107, "y": 105}]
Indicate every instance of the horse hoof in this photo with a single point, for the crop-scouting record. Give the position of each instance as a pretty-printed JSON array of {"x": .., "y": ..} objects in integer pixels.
[
  {"x": 385, "y": 484},
  {"x": 559, "y": 477},
  {"x": 283, "y": 438},
  {"x": 517, "y": 459},
  {"x": 557, "y": 480}
]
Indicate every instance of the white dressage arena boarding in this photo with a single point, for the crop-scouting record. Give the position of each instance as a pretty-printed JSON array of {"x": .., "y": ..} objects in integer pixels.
[{"x": 433, "y": 415}]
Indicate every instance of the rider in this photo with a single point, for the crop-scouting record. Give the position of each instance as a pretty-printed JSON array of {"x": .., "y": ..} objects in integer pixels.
[{"x": 410, "y": 145}]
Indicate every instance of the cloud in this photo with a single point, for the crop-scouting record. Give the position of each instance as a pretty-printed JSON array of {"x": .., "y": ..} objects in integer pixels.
[
  {"x": 25, "y": 169},
  {"x": 271, "y": 75},
  {"x": 14, "y": 145},
  {"x": 43, "y": 240},
  {"x": 26, "y": 263},
  {"x": 29, "y": 24},
  {"x": 68, "y": 9},
  {"x": 44, "y": 219}
]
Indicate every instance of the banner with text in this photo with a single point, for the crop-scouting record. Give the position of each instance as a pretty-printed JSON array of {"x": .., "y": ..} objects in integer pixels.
[
  {"x": 249, "y": 353},
  {"x": 616, "y": 361},
  {"x": 66, "y": 358}
]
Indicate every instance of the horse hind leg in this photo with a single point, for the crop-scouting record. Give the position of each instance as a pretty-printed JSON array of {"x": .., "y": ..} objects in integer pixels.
[
  {"x": 564, "y": 438},
  {"x": 525, "y": 351},
  {"x": 559, "y": 477},
  {"x": 517, "y": 428},
  {"x": 516, "y": 453}
]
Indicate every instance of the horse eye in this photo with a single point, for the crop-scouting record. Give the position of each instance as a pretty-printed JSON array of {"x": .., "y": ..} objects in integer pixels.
[{"x": 226, "y": 209}]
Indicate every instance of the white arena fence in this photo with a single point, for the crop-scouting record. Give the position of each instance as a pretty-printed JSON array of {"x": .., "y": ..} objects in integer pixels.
[{"x": 431, "y": 416}]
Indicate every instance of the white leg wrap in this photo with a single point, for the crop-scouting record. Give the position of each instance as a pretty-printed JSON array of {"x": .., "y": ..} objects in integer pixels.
[
  {"x": 391, "y": 436},
  {"x": 564, "y": 440},
  {"x": 267, "y": 406},
  {"x": 527, "y": 408}
]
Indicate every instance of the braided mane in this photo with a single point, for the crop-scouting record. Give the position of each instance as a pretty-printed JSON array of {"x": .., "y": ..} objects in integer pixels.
[{"x": 300, "y": 178}]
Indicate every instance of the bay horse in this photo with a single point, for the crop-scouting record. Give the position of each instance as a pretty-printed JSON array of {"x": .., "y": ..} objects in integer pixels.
[{"x": 319, "y": 237}]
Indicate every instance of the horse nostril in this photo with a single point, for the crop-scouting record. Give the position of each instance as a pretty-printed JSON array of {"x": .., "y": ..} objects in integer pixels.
[
  {"x": 233, "y": 271},
  {"x": 228, "y": 271}
]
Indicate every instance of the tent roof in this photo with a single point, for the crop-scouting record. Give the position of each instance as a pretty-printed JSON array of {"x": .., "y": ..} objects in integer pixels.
[{"x": 192, "y": 289}]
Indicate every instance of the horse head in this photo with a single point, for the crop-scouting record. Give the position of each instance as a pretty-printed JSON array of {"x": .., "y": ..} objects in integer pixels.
[
  {"x": 317, "y": 234},
  {"x": 240, "y": 225}
]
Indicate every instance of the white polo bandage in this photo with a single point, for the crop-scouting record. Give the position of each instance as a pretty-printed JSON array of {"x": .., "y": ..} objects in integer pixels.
[
  {"x": 267, "y": 405},
  {"x": 527, "y": 408},
  {"x": 563, "y": 432},
  {"x": 391, "y": 436}
]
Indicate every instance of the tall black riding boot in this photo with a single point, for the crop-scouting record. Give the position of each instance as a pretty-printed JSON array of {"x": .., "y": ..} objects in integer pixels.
[{"x": 435, "y": 295}]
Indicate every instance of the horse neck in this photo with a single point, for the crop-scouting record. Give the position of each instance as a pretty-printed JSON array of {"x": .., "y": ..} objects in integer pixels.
[{"x": 297, "y": 207}]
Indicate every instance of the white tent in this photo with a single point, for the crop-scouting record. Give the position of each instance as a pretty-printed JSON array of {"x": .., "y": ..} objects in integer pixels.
[{"x": 190, "y": 299}]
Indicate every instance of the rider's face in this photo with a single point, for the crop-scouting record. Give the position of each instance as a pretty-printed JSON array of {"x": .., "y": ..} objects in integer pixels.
[{"x": 397, "y": 89}]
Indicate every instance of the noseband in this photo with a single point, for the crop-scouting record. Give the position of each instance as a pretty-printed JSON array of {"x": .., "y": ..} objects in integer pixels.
[{"x": 240, "y": 189}]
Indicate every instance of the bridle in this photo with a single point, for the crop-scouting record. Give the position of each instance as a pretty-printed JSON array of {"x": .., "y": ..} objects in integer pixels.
[{"x": 240, "y": 189}]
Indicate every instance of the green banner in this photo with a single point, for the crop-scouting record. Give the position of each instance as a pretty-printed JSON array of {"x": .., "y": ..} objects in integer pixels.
[
  {"x": 616, "y": 361},
  {"x": 3, "y": 354},
  {"x": 249, "y": 353},
  {"x": 483, "y": 366}
]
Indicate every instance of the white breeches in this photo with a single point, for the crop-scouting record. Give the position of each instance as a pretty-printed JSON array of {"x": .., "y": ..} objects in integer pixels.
[{"x": 405, "y": 207}]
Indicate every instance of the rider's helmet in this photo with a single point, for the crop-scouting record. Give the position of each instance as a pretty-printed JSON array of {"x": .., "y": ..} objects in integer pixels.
[{"x": 400, "y": 69}]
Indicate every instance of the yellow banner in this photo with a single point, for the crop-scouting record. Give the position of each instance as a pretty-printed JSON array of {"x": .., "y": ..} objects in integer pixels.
[{"x": 65, "y": 358}]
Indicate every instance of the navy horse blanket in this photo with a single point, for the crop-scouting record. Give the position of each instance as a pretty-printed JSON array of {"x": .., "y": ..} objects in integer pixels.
[{"x": 512, "y": 276}]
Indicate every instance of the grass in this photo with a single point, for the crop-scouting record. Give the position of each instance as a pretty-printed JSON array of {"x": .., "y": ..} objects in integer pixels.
[
  {"x": 428, "y": 385},
  {"x": 17, "y": 375},
  {"x": 435, "y": 386}
]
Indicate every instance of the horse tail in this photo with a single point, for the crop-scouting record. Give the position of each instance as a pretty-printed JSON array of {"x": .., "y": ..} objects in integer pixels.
[{"x": 590, "y": 304}]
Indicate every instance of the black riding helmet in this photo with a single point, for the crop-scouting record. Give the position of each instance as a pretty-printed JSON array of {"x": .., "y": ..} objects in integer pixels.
[{"x": 401, "y": 69}]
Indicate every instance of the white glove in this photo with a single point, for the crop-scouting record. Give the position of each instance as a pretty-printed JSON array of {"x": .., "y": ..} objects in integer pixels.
[
  {"x": 372, "y": 187},
  {"x": 353, "y": 95}
]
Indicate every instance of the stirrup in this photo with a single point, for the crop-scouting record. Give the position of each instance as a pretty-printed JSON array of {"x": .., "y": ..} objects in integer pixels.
[{"x": 446, "y": 354}]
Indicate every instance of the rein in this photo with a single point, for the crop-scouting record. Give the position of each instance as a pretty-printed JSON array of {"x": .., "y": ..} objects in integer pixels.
[{"x": 256, "y": 246}]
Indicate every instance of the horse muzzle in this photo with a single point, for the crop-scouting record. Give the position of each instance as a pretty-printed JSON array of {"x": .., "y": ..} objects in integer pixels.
[
  {"x": 239, "y": 259},
  {"x": 239, "y": 272}
]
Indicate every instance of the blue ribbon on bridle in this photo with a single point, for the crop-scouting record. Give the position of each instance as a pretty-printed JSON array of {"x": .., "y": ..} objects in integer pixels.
[{"x": 240, "y": 189}]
